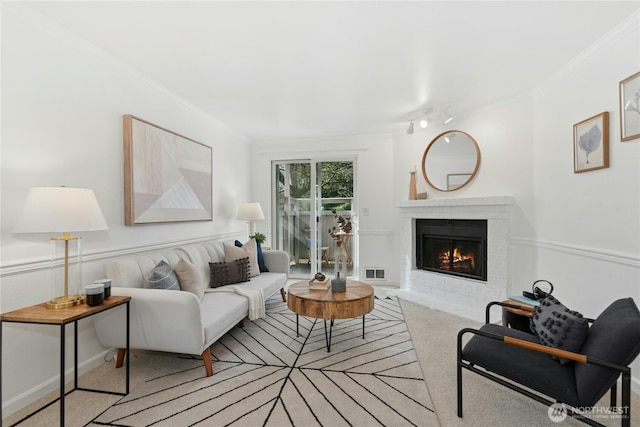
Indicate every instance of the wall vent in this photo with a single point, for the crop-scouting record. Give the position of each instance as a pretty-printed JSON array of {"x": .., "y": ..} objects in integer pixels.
[{"x": 372, "y": 273}]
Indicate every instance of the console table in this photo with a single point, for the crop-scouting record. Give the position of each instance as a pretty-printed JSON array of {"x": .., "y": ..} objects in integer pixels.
[{"x": 40, "y": 314}]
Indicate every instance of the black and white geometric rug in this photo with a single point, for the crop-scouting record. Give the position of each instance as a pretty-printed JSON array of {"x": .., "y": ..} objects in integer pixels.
[{"x": 266, "y": 376}]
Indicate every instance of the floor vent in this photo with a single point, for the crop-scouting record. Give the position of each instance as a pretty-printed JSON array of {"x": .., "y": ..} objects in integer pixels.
[{"x": 374, "y": 274}]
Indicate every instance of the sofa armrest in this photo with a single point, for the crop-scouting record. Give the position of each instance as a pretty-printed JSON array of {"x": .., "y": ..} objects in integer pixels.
[
  {"x": 161, "y": 320},
  {"x": 276, "y": 261}
]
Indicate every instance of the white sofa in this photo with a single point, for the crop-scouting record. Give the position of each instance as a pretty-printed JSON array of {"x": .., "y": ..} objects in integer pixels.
[{"x": 178, "y": 321}]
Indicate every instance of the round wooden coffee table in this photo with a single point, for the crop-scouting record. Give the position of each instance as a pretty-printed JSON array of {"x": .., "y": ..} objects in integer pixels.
[{"x": 357, "y": 301}]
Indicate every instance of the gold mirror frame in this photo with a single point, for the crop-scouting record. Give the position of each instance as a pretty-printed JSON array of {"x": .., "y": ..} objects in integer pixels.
[{"x": 469, "y": 176}]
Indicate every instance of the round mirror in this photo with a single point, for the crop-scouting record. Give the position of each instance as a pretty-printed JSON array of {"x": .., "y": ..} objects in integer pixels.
[{"x": 451, "y": 160}]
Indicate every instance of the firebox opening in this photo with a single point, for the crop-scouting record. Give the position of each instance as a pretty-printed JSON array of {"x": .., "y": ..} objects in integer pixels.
[{"x": 457, "y": 247}]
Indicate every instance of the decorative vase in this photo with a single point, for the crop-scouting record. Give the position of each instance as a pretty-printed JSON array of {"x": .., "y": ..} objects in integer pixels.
[
  {"x": 412, "y": 186},
  {"x": 340, "y": 284}
]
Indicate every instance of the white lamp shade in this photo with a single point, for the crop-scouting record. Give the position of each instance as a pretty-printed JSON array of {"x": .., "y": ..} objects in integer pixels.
[
  {"x": 60, "y": 209},
  {"x": 250, "y": 212}
]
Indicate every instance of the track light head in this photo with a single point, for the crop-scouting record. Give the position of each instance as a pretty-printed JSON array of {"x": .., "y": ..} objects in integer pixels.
[
  {"x": 410, "y": 129},
  {"x": 425, "y": 122}
]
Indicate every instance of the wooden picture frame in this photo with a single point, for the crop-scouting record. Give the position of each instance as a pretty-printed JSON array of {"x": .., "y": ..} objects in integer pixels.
[
  {"x": 591, "y": 143},
  {"x": 630, "y": 107},
  {"x": 167, "y": 177}
]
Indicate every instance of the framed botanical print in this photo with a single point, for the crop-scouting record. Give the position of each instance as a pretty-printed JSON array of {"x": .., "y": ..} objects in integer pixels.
[
  {"x": 591, "y": 143},
  {"x": 630, "y": 107}
]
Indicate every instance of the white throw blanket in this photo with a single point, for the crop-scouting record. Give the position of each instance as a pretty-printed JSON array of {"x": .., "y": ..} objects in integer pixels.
[{"x": 254, "y": 295}]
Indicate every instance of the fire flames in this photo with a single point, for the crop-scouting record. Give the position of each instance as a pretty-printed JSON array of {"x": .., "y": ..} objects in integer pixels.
[{"x": 463, "y": 263}]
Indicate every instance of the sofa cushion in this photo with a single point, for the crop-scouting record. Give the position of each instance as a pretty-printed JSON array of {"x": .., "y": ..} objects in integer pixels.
[
  {"x": 558, "y": 327},
  {"x": 220, "y": 312},
  {"x": 249, "y": 249},
  {"x": 615, "y": 337},
  {"x": 190, "y": 278},
  {"x": 162, "y": 276},
  {"x": 229, "y": 272}
]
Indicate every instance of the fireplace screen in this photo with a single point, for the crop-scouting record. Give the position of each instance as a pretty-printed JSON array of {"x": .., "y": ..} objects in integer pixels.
[{"x": 455, "y": 247}]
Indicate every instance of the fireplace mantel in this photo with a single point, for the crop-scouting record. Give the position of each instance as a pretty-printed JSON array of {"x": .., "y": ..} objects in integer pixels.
[
  {"x": 488, "y": 203},
  {"x": 461, "y": 296}
]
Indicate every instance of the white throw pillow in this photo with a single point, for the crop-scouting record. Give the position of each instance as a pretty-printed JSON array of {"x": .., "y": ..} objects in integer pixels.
[
  {"x": 250, "y": 249},
  {"x": 190, "y": 278}
]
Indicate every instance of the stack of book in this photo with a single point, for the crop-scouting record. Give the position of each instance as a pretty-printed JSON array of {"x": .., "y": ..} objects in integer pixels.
[
  {"x": 524, "y": 300},
  {"x": 319, "y": 284}
]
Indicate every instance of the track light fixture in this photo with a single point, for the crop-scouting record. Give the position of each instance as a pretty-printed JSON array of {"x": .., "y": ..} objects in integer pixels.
[
  {"x": 447, "y": 117},
  {"x": 410, "y": 129},
  {"x": 425, "y": 118}
]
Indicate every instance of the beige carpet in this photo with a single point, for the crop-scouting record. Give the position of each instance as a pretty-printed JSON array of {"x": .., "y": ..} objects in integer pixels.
[{"x": 433, "y": 334}]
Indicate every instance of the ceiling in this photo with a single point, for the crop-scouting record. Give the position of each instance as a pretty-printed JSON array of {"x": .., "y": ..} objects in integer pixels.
[{"x": 281, "y": 70}]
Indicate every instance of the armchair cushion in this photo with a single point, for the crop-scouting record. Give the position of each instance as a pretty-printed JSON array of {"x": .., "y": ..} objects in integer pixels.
[
  {"x": 534, "y": 369},
  {"x": 615, "y": 337},
  {"x": 557, "y": 326}
]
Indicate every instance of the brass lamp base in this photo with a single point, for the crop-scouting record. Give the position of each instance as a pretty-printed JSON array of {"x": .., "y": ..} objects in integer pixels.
[{"x": 65, "y": 301}]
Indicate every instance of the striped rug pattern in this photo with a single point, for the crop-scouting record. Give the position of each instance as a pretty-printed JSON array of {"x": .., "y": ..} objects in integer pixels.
[{"x": 265, "y": 375}]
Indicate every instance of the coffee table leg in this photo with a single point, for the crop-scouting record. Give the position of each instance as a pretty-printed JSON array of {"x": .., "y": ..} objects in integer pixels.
[
  {"x": 297, "y": 333},
  {"x": 362, "y": 327},
  {"x": 327, "y": 337}
]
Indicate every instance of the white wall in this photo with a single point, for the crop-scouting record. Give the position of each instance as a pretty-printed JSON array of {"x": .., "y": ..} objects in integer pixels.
[
  {"x": 596, "y": 211},
  {"x": 503, "y": 133},
  {"x": 588, "y": 224},
  {"x": 62, "y": 107}
]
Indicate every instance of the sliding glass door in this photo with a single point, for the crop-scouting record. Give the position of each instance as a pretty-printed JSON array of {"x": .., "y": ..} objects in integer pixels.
[{"x": 311, "y": 196}]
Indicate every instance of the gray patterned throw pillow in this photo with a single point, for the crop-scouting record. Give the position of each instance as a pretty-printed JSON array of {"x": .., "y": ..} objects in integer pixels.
[
  {"x": 557, "y": 326},
  {"x": 162, "y": 277}
]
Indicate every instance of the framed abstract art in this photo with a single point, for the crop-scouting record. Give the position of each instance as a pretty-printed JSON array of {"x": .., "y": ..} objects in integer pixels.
[{"x": 167, "y": 177}]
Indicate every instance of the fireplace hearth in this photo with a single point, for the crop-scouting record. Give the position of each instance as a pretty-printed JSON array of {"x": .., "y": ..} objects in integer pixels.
[{"x": 452, "y": 246}]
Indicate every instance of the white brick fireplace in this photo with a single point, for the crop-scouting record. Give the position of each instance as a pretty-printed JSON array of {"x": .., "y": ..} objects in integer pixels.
[{"x": 458, "y": 295}]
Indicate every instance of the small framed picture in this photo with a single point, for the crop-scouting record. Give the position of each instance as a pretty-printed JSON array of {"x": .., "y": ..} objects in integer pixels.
[
  {"x": 591, "y": 143},
  {"x": 630, "y": 107}
]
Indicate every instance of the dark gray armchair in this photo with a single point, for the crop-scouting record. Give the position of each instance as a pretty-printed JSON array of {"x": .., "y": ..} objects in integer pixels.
[{"x": 515, "y": 358}]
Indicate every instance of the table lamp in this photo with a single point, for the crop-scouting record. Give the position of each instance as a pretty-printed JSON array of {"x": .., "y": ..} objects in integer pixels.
[
  {"x": 250, "y": 212},
  {"x": 62, "y": 210}
]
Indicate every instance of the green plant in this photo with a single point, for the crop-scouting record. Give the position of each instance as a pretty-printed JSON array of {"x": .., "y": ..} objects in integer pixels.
[{"x": 259, "y": 237}]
